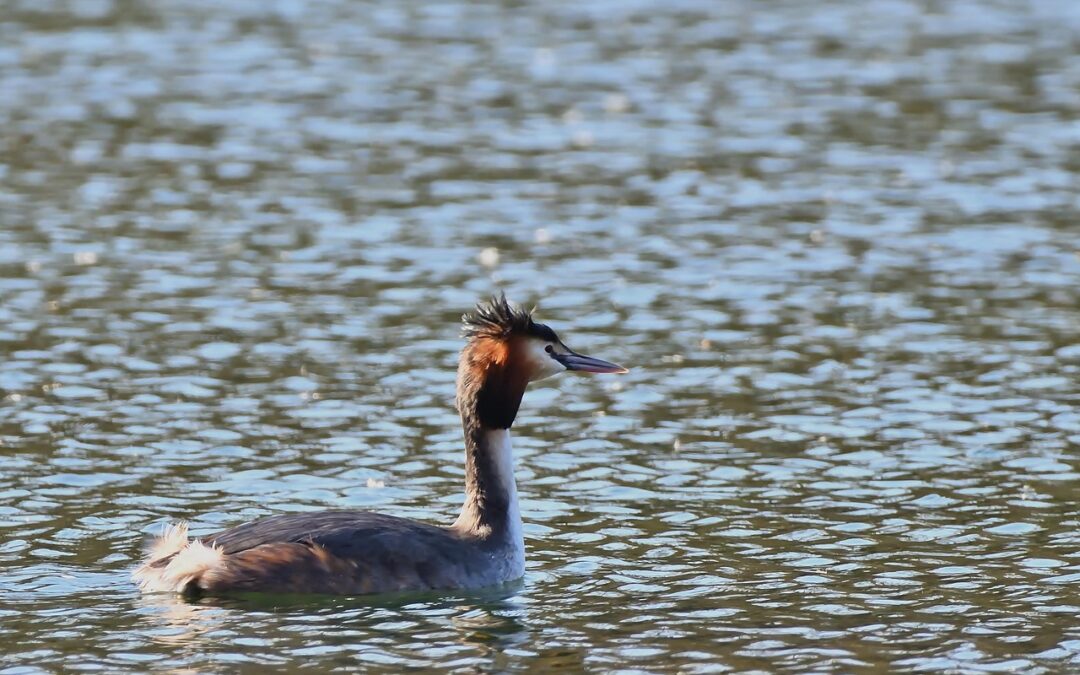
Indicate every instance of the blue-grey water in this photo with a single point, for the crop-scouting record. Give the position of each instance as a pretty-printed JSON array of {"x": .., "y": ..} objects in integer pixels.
[{"x": 838, "y": 242}]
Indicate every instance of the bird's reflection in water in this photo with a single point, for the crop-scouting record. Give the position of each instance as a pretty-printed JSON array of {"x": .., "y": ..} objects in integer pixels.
[
  {"x": 494, "y": 623},
  {"x": 490, "y": 622},
  {"x": 176, "y": 621}
]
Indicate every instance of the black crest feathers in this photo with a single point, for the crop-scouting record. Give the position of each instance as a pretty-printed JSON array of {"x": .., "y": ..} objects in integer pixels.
[{"x": 499, "y": 318}]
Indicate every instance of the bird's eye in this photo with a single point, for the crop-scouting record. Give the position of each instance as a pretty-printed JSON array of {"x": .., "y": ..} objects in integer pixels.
[{"x": 549, "y": 349}]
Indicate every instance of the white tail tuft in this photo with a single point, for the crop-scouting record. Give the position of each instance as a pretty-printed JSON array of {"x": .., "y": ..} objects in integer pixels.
[
  {"x": 189, "y": 562},
  {"x": 170, "y": 541}
]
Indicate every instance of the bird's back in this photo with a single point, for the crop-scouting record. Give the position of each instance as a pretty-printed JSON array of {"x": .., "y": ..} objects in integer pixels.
[{"x": 340, "y": 552}]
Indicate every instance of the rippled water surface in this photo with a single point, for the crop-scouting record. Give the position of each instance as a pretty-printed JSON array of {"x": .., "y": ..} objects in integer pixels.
[{"x": 837, "y": 242}]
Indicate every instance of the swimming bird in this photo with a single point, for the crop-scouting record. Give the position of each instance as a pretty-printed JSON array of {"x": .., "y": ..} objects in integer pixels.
[{"x": 358, "y": 552}]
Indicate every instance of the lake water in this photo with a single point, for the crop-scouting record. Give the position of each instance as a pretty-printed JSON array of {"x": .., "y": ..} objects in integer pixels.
[{"x": 837, "y": 242}]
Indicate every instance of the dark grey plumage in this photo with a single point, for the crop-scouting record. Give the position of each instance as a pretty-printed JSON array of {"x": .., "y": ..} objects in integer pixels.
[
  {"x": 345, "y": 552},
  {"x": 369, "y": 553}
]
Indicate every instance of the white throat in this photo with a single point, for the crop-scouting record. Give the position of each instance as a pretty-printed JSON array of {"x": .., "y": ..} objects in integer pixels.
[
  {"x": 510, "y": 542},
  {"x": 502, "y": 456}
]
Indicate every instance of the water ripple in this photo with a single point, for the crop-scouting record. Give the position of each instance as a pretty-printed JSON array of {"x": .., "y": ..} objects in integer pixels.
[{"x": 834, "y": 243}]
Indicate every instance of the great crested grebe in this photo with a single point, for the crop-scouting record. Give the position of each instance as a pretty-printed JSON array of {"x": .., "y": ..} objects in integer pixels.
[{"x": 355, "y": 552}]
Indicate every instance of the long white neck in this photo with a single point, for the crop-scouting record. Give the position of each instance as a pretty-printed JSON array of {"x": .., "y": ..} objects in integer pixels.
[
  {"x": 491, "y": 500},
  {"x": 488, "y": 396}
]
